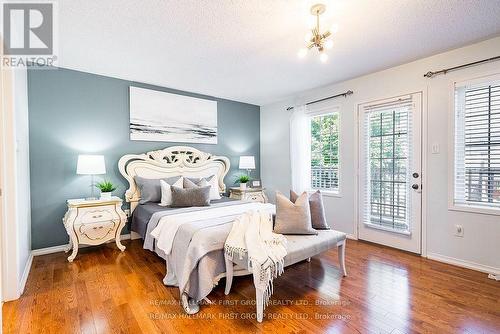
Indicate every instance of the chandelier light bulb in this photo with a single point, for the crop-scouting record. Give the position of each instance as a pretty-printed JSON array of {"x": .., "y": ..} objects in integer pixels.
[
  {"x": 329, "y": 44},
  {"x": 323, "y": 57},
  {"x": 302, "y": 53}
]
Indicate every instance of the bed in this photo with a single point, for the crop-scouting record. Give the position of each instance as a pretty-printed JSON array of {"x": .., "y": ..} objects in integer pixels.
[{"x": 195, "y": 259}]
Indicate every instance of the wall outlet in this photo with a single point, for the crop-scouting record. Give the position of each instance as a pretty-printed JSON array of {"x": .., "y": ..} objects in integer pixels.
[{"x": 459, "y": 231}]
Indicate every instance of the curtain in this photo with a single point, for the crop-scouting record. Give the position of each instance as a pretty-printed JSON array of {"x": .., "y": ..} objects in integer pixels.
[{"x": 300, "y": 149}]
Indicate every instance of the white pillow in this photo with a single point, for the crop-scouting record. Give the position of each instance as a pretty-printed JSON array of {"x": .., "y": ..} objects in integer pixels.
[
  {"x": 214, "y": 188},
  {"x": 166, "y": 191}
]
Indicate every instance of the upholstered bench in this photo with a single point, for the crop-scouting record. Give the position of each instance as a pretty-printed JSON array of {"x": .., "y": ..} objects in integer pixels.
[{"x": 299, "y": 248}]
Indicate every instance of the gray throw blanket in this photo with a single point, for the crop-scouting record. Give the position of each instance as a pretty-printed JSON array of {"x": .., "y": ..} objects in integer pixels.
[{"x": 192, "y": 242}]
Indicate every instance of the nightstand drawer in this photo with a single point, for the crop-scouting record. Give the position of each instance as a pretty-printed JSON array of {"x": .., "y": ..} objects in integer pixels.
[
  {"x": 255, "y": 198},
  {"x": 92, "y": 232},
  {"x": 249, "y": 194},
  {"x": 96, "y": 214}
]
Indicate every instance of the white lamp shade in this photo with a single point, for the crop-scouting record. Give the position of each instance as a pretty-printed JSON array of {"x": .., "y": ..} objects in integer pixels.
[
  {"x": 247, "y": 162},
  {"x": 90, "y": 164}
]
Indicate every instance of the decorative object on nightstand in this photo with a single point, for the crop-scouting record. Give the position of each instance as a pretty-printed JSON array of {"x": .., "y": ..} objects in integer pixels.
[
  {"x": 106, "y": 188},
  {"x": 89, "y": 164},
  {"x": 250, "y": 194},
  {"x": 93, "y": 222},
  {"x": 242, "y": 180}
]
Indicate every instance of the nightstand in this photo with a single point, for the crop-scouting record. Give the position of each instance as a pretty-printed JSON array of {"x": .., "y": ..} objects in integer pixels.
[
  {"x": 93, "y": 222},
  {"x": 250, "y": 194}
]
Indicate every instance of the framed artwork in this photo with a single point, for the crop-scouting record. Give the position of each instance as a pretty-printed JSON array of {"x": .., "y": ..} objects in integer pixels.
[{"x": 161, "y": 116}]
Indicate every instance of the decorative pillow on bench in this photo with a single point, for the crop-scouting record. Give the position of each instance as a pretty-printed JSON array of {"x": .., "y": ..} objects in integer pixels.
[
  {"x": 293, "y": 218},
  {"x": 190, "y": 197},
  {"x": 318, "y": 217}
]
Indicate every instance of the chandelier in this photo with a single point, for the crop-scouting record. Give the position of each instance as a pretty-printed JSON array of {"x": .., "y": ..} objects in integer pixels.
[{"x": 317, "y": 39}]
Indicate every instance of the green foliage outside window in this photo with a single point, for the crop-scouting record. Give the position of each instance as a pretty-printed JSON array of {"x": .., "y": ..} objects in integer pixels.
[{"x": 325, "y": 151}]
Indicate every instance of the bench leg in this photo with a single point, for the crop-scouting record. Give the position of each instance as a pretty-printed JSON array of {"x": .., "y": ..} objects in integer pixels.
[
  {"x": 229, "y": 273},
  {"x": 308, "y": 259},
  {"x": 259, "y": 299},
  {"x": 341, "y": 253}
]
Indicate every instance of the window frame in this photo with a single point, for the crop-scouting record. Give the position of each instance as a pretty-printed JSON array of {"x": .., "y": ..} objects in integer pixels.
[
  {"x": 314, "y": 112},
  {"x": 452, "y": 205}
]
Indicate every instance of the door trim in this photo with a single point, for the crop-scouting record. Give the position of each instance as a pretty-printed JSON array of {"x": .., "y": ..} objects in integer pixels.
[{"x": 423, "y": 90}]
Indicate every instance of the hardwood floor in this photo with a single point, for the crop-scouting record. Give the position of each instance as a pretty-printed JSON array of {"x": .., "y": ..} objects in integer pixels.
[{"x": 387, "y": 291}]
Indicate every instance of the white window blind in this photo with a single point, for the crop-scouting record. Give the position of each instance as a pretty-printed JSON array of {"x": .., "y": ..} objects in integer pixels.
[
  {"x": 477, "y": 144},
  {"x": 385, "y": 161},
  {"x": 325, "y": 151}
]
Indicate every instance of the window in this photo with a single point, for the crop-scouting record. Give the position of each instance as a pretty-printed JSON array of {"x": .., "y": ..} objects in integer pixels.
[
  {"x": 389, "y": 156},
  {"x": 477, "y": 144},
  {"x": 325, "y": 152}
]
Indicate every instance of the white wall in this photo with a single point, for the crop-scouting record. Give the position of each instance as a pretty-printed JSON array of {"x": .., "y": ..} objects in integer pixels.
[
  {"x": 23, "y": 204},
  {"x": 16, "y": 243},
  {"x": 480, "y": 245}
]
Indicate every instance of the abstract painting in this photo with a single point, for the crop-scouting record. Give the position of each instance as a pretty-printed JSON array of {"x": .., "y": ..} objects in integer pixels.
[{"x": 161, "y": 116}]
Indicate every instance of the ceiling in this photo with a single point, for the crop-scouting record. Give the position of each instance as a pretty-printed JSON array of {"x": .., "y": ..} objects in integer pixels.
[{"x": 246, "y": 50}]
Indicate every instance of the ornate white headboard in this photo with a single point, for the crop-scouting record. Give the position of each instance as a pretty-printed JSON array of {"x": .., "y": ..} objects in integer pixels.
[{"x": 171, "y": 161}]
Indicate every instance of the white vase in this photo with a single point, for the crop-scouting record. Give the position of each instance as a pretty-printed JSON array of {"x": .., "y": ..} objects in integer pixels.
[
  {"x": 243, "y": 186},
  {"x": 106, "y": 195}
]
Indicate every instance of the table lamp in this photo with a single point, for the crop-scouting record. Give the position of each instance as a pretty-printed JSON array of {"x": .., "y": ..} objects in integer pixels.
[
  {"x": 91, "y": 165},
  {"x": 247, "y": 162}
]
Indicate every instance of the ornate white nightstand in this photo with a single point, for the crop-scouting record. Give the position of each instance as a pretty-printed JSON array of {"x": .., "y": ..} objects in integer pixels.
[
  {"x": 93, "y": 222},
  {"x": 251, "y": 194}
]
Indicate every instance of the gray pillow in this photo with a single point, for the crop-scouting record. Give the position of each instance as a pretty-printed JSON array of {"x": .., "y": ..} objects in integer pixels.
[
  {"x": 318, "y": 217},
  {"x": 191, "y": 182},
  {"x": 293, "y": 218},
  {"x": 190, "y": 197},
  {"x": 151, "y": 189}
]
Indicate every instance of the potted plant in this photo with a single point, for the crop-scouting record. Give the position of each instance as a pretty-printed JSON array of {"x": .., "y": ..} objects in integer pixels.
[
  {"x": 106, "y": 188},
  {"x": 243, "y": 179}
]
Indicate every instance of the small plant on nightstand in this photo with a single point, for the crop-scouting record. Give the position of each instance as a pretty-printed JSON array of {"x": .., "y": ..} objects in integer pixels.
[
  {"x": 242, "y": 180},
  {"x": 106, "y": 188}
]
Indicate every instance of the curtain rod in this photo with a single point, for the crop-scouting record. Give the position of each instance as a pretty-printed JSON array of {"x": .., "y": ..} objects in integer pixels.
[
  {"x": 430, "y": 74},
  {"x": 349, "y": 92}
]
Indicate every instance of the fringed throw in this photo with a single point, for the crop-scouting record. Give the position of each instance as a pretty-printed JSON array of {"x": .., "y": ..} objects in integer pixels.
[{"x": 252, "y": 236}]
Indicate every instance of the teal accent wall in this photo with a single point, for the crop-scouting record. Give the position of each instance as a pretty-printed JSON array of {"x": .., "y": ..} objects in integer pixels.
[{"x": 72, "y": 112}]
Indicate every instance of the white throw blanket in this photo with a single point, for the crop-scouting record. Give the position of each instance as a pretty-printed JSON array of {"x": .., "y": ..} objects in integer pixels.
[{"x": 252, "y": 235}]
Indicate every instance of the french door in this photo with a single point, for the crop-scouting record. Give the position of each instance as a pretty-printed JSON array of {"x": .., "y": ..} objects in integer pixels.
[{"x": 390, "y": 205}]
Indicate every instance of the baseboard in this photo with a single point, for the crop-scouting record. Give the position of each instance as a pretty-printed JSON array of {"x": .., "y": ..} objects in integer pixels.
[
  {"x": 61, "y": 248},
  {"x": 135, "y": 235},
  {"x": 463, "y": 263},
  {"x": 351, "y": 236},
  {"x": 26, "y": 272},
  {"x": 48, "y": 250}
]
